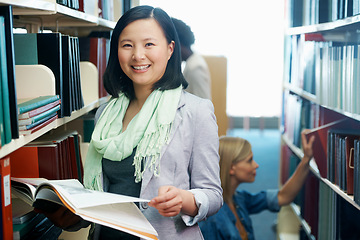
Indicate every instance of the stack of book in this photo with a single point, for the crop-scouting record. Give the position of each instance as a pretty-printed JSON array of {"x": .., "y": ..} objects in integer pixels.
[{"x": 36, "y": 113}]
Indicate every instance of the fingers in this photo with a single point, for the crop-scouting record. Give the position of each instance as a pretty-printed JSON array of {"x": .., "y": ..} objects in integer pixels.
[{"x": 168, "y": 202}]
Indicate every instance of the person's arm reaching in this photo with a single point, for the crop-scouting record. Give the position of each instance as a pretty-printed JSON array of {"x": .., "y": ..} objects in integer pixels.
[{"x": 292, "y": 187}]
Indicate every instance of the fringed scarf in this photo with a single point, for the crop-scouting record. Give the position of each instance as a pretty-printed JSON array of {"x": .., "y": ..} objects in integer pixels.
[{"x": 148, "y": 131}]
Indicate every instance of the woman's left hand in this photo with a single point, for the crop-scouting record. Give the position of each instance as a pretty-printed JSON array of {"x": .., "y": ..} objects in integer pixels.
[{"x": 169, "y": 201}]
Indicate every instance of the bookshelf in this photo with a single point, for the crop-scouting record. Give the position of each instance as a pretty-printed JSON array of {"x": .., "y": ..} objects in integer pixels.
[
  {"x": 320, "y": 92},
  {"x": 38, "y": 15}
]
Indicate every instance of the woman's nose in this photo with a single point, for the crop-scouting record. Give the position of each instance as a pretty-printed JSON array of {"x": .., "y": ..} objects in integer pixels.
[{"x": 138, "y": 54}]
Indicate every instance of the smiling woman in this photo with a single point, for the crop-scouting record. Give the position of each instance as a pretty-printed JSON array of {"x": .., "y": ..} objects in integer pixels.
[{"x": 143, "y": 53}]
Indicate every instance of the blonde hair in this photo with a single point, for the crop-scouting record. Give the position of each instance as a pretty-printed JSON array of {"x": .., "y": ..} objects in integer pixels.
[{"x": 231, "y": 150}]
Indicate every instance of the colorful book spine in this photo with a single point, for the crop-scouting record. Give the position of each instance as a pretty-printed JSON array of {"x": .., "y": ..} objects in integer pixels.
[
  {"x": 39, "y": 110},
  {"x": 6, "y": 208},
  {"x": 38, "y": 127},
  {"x": 38, "y": 118},
  {"x": 36, "y": 103},
  {"x": 4, "y": 85}
]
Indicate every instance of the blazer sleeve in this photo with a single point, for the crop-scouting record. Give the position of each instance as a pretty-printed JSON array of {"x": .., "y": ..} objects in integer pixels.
[{"x": 204, "y": 167}]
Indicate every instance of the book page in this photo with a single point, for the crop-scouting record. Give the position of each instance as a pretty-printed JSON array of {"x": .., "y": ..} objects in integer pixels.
[
  {"x": 73, "y": 192},
  {"x": 123, "y": 216}
]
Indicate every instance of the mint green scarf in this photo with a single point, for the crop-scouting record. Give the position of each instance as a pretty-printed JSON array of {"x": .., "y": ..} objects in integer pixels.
[{"x": 148, "y": 131}]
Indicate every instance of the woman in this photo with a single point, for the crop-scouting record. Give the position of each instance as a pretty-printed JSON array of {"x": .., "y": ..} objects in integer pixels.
[
  {"x": 152, "y": 139},
  {"x": 237, "y": 166}
]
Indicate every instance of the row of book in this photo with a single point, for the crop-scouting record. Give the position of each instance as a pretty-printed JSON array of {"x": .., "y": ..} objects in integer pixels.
[
  {"x": 55, "y": 155},
  {"x": 36, "y": 113},
  {"x": 5, "y": 123},
  {"x": 309, "y": 12},
  {"x": 61, "y": 54},
  {"x": 74, "y": 4},
  {"x": 328, "y": 70},
  {"x": 328, "y": 215},
  {"x": 299, "y": 113},
  {"x": 107, "y": 9},
  {"x": 27, "y": 224},
  {"x": 8, "y": 99},
  {"x": 95, "y": 48},
  {"x": 334, "y": 153}
]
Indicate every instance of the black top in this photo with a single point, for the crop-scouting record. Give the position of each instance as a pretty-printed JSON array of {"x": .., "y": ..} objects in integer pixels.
[{"x": 119, "y": 178}]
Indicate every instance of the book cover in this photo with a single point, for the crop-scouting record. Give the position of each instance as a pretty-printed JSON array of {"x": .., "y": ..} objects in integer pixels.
[
  {"x": 6, "y": 11},
  {"x": 26, "y": 105},
  {"x": 50, "y": 161},
  {"x": 341, "y": 157},
  {"x": 21, "y": 212},
  {"x": 39, "y": 117},
  {"x": 23, "y": 229},
  {"x": 108, "y": 209},
  {"x": 78, "y": 156},
  {"x": 4, "y": 85},
  {"x": 35, "y": 124},
  {"x": 25, "y": 48},
  {"x": 38, "y": 110},
  {"x": 24, "y": 162},
  {"x": 2, "y": 132},
  {"x": 357, "y": 171},
  {"x": 76, "y": 58},
  {"x": 6, "y": 198},
  {"x": 38, "y": 127},
  {"x": 320, "y": 144},
  {"x": 67, "y": 75},
  {"x": 50, "y": 54},
  {"x": 43, "y": 230}
]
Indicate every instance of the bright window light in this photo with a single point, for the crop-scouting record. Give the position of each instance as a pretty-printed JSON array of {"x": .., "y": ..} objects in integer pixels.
[{"x": 250, "y": 34}]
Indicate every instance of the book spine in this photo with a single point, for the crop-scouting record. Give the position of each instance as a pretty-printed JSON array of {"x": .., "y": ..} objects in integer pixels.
[
  {"x": 6, "y": 208},
  {"x": 26, "y": 107},
  {"x": 39, "y": 117},
  {"x": 4, "y": 85},
  {"x": 38, "y": 127},
  {"x": 6, "y": 11},
  {"x": 39, "y": 110}
]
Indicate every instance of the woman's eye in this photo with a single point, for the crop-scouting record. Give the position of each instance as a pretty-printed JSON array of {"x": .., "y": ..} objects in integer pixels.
[
  {"x": 149, "y": 44},
  {"x": 126, "y": 45}
]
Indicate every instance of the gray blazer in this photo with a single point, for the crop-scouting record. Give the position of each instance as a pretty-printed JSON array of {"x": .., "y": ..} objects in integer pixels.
[{"x": 190, "y": 161}]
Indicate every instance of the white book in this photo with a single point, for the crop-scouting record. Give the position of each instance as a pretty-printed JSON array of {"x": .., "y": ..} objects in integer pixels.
[{"x": 108, "y": 209}]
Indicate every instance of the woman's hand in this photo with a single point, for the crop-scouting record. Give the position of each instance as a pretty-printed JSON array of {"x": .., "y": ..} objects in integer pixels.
[
  {"x": 62, "y": 217},
  {"x": 171, "y": 201},
  {"x": 168, "y": 202},
  {"x": 307, "y": 145}
]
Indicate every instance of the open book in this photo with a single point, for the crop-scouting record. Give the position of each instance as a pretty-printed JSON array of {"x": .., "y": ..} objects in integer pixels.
[{"x": 111, "y": 210}]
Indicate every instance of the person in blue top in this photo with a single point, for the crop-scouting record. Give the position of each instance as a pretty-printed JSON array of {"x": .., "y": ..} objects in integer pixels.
[{"x": 237, "y": 166}]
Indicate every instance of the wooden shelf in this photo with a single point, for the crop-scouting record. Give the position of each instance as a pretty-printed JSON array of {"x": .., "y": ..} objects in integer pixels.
[{"x": 23, "y": 140}]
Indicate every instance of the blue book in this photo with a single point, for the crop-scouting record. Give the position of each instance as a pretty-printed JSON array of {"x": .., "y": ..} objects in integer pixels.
[
  {"x": 4, "y": 86},
  {"x": 32, "y": 122},
  {"x": 25, "y": 48},
  {"x": 31, "y": 104}
]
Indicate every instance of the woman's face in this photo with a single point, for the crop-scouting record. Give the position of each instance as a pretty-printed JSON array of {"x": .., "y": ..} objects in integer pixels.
[
  {"x": 144, "y": 52},
  {"x": 245, "y": 170}
]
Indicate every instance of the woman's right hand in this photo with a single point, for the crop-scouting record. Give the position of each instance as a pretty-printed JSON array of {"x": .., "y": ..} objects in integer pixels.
[{"x": 62, "y": 217}]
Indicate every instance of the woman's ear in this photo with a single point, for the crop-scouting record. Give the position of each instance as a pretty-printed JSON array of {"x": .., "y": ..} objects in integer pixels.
[
  {"x": 231, "y": 170},
  {"x": 171, "y": 48}
]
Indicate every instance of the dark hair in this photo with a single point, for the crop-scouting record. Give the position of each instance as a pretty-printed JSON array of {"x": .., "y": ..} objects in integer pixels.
[
  {"x": 116, "y": 81},
  {"x": 184, "y": 32}
]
